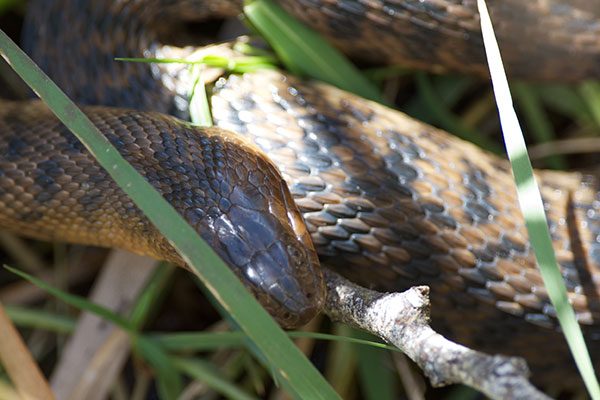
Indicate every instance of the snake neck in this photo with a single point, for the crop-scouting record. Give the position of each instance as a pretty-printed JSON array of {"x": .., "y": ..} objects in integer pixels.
[{"x": 101, "y": 30}]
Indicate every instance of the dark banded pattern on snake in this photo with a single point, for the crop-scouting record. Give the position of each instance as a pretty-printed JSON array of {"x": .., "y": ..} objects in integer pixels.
[
  {"x": 51, "y": 188},
  {"x": 561, "y": 36},
  {"x": 393, "y": 201}
]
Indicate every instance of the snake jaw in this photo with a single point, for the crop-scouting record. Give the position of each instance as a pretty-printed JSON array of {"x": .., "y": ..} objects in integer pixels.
[
  {"x": 257, "y": 229},
  {"x": 301, "y": 250},
  {"x": 277, "y": 269}
]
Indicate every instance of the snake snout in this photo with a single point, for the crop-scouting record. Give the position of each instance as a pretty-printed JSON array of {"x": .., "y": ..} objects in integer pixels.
[
  {"x": 273, "y": 263},
  {"x": 285, "y": 272},
  {"x": 262, "y": 236}
]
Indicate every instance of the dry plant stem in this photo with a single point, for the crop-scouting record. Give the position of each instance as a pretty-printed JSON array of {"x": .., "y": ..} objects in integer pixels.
[
  {"x": 402, "y": 319},
  {"x": 22, "y": 293},
  {"x": 97, "y": 350},
  {"x": 18, "y": 249},
  {"x": 566, "y": 146},
  {"x": 412, "y": 381},
  {"x": 7, "y": 392},
  {"x": 21, "y": 367}
]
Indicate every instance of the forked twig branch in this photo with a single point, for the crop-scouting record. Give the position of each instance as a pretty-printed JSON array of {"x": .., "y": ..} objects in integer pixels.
[{"x": 402, "y": 319}]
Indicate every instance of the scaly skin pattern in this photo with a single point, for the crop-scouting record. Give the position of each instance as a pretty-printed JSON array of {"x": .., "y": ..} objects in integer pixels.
[
  {"x": 51, "y": 188},
  {"x": 438, "y": 35},
  {"x": 539, "y": 39},
  {"x": 392, "y": 203},
  {"x": 389, "y": 202}
]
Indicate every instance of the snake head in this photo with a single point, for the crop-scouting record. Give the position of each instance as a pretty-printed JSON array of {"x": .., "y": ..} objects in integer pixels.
[
  {"x": 224, "y": 187},
  {"x": 250, "y": 219}
]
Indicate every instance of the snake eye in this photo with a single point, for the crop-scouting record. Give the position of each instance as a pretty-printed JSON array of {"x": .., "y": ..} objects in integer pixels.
[{"x": 296, "y": 253}]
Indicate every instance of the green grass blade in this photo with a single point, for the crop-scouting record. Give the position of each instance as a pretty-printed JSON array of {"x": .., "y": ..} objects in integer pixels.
[
  {"x": 590, "y": 91},
  {"x": 374, "y": 373},
  {"x": 211, "y": 377},
  {"x": 200, "y": 341},
  {"x": 448, "y": 120},
  {"x": 150, "y": 298},
  {"x": 6, "y": 5},
  {"x": 199, "y": 107},
  {"x": 75, "y": 301},
  {"x": 565, "y": 100},
  {"x": 304, "y": 52},
  {"x": 532, "y": 207},
  {"x": 302, "y": 378},
  {"x": 349, "y": 339},
  {"x": 538, "y": 121},
  {"x": 238, "y": 65},
  {"x": 39, "y": 319},
  {"x": 169, "y": 381},
  {"x": 448, "y": 89}
]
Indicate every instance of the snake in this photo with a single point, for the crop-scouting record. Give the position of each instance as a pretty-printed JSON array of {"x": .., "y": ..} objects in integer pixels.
[{"x": 315, "y": 175}]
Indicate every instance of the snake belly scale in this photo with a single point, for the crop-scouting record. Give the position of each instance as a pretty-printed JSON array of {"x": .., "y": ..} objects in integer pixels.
[{"x": 387, "y": 201}]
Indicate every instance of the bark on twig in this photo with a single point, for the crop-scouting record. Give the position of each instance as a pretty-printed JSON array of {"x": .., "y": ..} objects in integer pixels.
[{"x": 402, "y": 319}]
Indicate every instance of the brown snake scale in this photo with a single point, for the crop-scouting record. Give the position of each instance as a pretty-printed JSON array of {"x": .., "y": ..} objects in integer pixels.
[{"x": 389, "y": 202}]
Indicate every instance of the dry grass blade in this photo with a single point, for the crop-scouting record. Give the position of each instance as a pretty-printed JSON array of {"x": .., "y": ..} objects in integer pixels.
[
  {"x": 97, "y": 350},
  {"x": 20, "y": 365}
]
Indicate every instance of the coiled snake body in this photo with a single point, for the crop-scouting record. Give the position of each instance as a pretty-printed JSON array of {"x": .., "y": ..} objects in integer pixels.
[{"x": 387, "y": 201}]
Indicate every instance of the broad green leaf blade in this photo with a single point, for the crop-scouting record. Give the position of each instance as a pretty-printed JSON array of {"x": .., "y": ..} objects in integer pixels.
[
  {"x": 301, "y": 378},
  {"x": 532, "y": 207},
  {"x": 304, "y": 52}
]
